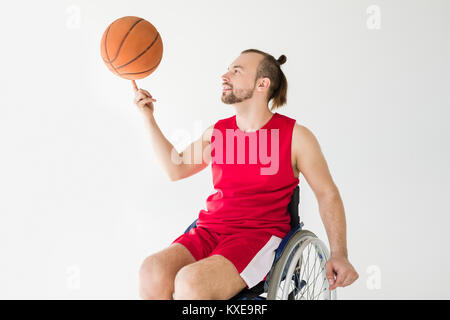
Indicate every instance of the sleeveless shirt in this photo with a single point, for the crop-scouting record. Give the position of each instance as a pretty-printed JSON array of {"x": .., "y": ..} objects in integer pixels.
[{"x": 253, "y": 178}]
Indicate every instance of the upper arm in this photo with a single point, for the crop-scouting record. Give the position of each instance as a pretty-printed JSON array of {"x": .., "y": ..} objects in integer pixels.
[
  {"x": 311, "y": 162},
  {"x": 196, "y": 156}
]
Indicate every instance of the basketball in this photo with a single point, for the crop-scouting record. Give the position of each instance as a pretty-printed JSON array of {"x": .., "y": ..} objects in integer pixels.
[{"x": 131, "y": 48}]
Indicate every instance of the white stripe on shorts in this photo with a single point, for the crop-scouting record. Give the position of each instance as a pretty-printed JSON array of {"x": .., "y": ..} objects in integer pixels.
[{"x": 261, "y": 263}]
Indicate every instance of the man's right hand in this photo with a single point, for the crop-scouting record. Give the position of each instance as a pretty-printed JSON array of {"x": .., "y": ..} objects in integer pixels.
[{"x": 144, "y": 100}]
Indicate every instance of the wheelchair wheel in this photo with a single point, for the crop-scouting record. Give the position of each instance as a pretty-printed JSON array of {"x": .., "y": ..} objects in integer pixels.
[{"x": 300, "y": 274}]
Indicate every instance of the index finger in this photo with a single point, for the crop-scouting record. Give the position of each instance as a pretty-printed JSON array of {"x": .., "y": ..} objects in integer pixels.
[{"x": 135, "y": 87}]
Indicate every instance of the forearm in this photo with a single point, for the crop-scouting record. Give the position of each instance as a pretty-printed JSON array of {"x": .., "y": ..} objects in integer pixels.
[
  {"x": 165, "y": 152},
  {"x": 333, "y": 217}
]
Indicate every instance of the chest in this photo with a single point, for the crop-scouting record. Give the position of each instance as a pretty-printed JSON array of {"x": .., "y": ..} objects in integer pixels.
[{"x": 257, "y": 159}]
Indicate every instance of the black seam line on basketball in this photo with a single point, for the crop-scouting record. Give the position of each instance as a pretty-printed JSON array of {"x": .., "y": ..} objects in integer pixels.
[
  {"x": 123, "y": 40},
  {"x": 122, "y": 74},
  {"x": 151, "y": 44},
  {"x": 106, "y": 50}
]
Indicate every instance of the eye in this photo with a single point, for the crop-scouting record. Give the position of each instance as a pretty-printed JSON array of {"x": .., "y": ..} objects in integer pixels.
[{"x": 235, "y": 70}]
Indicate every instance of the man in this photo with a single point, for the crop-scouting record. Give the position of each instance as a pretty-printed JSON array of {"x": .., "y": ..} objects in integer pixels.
[{"x": 233, "y": 244}]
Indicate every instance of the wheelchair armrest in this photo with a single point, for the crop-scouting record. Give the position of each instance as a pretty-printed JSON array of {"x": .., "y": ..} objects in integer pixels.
[{"x": 193, "y": 225}]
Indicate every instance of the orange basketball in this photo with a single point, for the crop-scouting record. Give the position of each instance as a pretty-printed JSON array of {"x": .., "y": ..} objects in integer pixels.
[{"x": 131, "y": 48}]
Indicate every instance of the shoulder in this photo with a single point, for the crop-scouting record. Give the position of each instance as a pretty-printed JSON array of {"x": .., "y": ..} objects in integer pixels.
[
  {"x": 302, "y": 132},
  {"x": 303, "y": 139}
]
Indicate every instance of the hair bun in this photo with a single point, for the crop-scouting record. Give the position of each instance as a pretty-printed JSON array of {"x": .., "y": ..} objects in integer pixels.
[{"x": 282, "y": 59}]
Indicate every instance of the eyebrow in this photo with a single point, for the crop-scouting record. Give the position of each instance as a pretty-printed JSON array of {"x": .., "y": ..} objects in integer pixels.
[{"x": 237, "y": 66}]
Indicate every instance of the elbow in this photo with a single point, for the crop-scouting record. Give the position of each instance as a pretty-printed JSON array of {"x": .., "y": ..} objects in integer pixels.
[
  {"x": 176, "y": 175},
  {"x": 329, "y": 195},
  {"x": 174, "y": 172}
]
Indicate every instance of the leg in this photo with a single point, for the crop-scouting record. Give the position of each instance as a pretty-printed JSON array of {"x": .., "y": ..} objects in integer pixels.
[
  {"x": 214, "y": 277},
  {"x": 238, "y": 261},
  {"x": 158, "y": 271}
]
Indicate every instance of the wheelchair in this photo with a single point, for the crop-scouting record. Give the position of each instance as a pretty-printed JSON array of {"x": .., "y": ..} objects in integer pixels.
[{"x": 298, "y": 270}]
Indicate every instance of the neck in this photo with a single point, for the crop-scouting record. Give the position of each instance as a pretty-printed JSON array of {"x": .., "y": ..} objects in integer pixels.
[{"x": 252, "y": 119}]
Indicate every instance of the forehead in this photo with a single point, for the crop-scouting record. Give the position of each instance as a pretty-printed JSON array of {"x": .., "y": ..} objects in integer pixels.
[{"x": 246, "y": 61}]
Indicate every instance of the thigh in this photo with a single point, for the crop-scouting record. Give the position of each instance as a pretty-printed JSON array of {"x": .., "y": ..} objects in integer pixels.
[
  {"x": 167, "y": 262},
  {"x": 214, "y": 277}
]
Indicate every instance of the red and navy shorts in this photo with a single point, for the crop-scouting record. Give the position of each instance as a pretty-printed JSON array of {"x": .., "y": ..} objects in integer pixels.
[{"x": 251, "y": 252}]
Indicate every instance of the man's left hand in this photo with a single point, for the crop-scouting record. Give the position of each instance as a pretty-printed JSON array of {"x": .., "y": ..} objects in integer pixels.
[{"x": 341, "y": 268}]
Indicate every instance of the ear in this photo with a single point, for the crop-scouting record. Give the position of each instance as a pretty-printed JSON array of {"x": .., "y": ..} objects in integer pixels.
[{"x": 263, "y": 84}]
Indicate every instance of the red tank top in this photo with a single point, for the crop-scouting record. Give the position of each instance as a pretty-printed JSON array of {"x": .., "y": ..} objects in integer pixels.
[{"x": 252, "y": 174}]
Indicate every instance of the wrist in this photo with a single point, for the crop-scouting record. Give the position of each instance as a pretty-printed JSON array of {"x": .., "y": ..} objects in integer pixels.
[
  {"x": 339, "y": 254},
  {"x": 149, "y": 117}
]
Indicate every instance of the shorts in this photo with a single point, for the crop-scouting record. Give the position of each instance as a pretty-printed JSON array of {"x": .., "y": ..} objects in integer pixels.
[{"x": 251, "y": 252}]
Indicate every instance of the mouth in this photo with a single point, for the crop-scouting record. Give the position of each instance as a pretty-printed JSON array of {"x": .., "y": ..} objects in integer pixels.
[{"x": 225, "y": 87}]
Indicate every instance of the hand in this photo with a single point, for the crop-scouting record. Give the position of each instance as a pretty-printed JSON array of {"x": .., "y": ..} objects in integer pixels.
[
  {"x": 344, "y": 271},
  {"x": 143, "y": 99}
]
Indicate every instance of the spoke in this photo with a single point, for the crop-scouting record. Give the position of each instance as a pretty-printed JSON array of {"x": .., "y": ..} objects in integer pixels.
[
  {"x": 324, "y": 282},
  {"x": 321, "y": 292},
  {"x": 311, "y": 270},
  {"x": 303, "y": 273},
  {"x": 324, "y": 289},
  {"x": 307, "y": 268},
  {"x": 309, "y": 284},
  {"x": 314, "y": 269},
  {"x": 285, "y": 270}
]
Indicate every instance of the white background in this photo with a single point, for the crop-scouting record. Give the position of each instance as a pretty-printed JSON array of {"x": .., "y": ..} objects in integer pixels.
[{"x": 84, "y": 201}]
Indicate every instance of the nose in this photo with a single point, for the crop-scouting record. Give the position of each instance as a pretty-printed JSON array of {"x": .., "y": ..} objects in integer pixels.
[{"x": 225, "y": 77}]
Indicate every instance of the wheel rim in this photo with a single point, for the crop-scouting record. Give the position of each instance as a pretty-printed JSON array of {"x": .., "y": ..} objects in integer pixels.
[{"x": 305, "y": 277}]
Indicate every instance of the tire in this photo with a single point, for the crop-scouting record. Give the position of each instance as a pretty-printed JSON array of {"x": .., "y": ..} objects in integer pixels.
[{"x": 286, "y": 269}]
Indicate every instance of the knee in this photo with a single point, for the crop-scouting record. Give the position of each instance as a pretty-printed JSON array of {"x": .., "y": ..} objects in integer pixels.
[
  {"x": 154, "y": 283},
  {"x": 189, "y": 286}
]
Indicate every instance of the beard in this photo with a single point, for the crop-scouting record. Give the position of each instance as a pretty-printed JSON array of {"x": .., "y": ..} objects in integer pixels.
[{"x": 229, "y": 97}]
